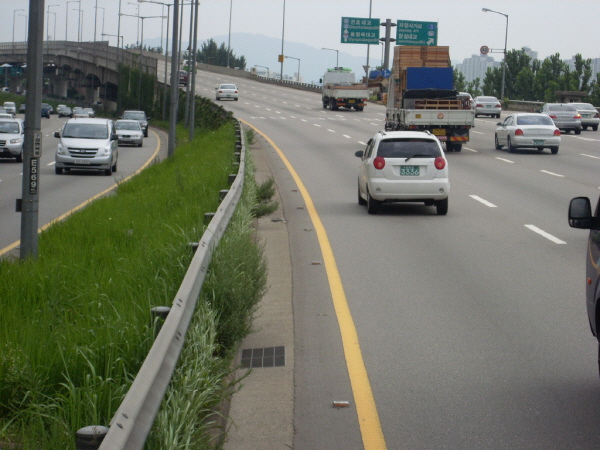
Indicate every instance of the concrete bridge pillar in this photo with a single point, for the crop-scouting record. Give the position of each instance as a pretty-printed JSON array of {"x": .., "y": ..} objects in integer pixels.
[{"x": 60, "y": 87}]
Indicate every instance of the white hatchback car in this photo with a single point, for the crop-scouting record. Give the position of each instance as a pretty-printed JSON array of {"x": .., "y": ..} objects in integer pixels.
[
  {"x": 227, "y": 91},
  {"x": 527, "y": 130},
  {"x": 403, "y": 166}
]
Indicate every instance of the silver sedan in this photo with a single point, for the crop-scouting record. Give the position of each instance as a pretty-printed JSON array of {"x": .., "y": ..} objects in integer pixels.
[
  {"x": 487, "y": 106},
  {"x": 589, "y": 115},
  {"x": 129, "y": 132},
  {"x": 527, "y": 130}
]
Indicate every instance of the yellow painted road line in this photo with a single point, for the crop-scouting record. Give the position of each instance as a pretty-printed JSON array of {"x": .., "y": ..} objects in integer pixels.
[
  {"x": 10, "y": 247},
  {"x": 368, "y": 417}
]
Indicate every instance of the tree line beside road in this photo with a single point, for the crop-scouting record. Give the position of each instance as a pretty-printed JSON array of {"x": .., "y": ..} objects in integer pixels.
[{"x": 535, "y": 80}]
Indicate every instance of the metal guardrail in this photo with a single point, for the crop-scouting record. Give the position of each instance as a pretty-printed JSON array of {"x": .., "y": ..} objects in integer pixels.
[{"x": 133, "y": 420}]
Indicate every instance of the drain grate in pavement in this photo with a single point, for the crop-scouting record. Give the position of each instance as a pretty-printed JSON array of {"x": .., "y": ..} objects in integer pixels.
[{"x": 263, "y": 357}]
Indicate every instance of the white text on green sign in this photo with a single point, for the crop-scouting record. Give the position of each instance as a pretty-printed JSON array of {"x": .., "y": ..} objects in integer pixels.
[
  {"x": 356, "y": 30},
  {"x": 416, "y": 33}
]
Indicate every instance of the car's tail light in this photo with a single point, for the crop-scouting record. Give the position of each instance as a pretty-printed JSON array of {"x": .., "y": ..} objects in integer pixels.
[
  {"x": 556, "y": 132},
  {"x": 518, "y": 132},
  {"x": 439, "y": 163},
  {"x": 220, "y": 91},
  {"x": 552, "y": 116},
  {"x": 597, "y": 116},
  {"x": 479, "y": 105},
  {"x": 577, "y": 116},
  {"x": 236, "y": 92},
  {"x": 379, "y": 162},
  {"x": 498, "y": 105}
]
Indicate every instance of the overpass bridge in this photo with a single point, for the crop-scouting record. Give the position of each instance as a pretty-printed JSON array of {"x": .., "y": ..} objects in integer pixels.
[{"x": 89, "y": 68}]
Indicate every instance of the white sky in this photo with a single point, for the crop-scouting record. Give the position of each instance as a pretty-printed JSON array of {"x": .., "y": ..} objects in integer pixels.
[{"x": 550, "y": 26}]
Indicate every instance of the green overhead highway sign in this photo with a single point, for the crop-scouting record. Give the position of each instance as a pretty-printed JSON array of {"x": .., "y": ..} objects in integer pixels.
[
  {"x": 360, "y": 31},
  {"x": 416, "y": 33}
]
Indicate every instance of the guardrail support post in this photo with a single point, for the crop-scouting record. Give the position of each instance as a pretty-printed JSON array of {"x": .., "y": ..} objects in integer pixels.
[
  {"x": 159, "y": 315},
  {"x": 90, "y": 438},
  {"x": 231, "y": 178},
  {"x": 208, "y": 217},
  {"x": 223, "y": 193}
]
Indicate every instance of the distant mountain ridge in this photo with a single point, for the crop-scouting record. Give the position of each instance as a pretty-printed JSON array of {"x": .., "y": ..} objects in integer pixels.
[{"x": 263, "y": 51}]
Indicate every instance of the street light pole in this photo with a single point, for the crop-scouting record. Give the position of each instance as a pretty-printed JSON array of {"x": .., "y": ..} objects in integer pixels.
[
  {"x": 67, "y": 19},
  {"x": 337, "y": 58},
  {"x": 13, "y": 36},
  {"x": 298, "y": 77},
  {"x": 504, "y": 59},
  {"x": 282, "y": 40},
  {"x": 47, "y": 21},
  {"x": 264, "y": 67},
  {"x": 27, "y": 24},
  {"x": 229, "y": 40}
]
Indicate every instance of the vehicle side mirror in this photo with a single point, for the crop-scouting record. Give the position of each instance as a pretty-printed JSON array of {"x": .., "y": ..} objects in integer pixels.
[
  {"x": 114, "y": 137},
  {"x": 148, "y": 119},
  {"x": 580, "y": 213},
  {"x": 57, "y": 134},
  {"x": 499, "y": 124},
  {"x": 216, "y": 89},
  {"x": 359, "y": 154}
]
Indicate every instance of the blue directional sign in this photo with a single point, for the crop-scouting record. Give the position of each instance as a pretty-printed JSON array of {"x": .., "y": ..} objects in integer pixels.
[
  {"x": 416, "y": 33},
  {"x": 385, "y": 73},
  {"x": 357, "y": 30}
]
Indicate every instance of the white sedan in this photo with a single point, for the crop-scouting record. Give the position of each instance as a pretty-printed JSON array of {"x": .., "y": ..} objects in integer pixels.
[
  {"x": 227, "y": 91},
  {"x": 527, "y": 130}
]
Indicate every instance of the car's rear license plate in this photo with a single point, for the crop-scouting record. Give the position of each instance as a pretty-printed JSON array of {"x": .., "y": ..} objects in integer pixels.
[
  {"x": 488, "y": 106},
  {"x": 409, "y": 171},
  {"x": 439, "y": 132},
  {"x": 350, "y": 101},
  {"x": 538, "y": 142}
]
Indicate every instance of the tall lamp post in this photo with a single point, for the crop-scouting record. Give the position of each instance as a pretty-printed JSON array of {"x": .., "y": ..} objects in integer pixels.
[
  {"x": 13, "y": 36},
  {"x": 166, "y": 52},
  {"x": 47, "y": 20},
  {"x": 504, "y": 59},
  {"x": 67, "y": 19},
  {"x": 26, "y": 23},
  {"x": 264, "y": 67},
  {"x": 298, "y": 77},
  {"x": 337, "y": 58},
  {"x": 105, "y": 83},
  {"x": 142, "y": 52},
  {"x": 137, "y": 35}
]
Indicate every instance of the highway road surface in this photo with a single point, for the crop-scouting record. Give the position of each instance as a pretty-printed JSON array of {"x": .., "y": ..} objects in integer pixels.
[{"x": 471, "y": 326}]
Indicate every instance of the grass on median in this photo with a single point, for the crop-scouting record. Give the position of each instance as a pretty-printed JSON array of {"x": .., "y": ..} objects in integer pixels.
[{"x": 74, "y": 324}]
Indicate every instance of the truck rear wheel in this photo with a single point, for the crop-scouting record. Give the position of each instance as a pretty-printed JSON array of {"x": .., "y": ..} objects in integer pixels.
[
  {"x": 333, "y": 105},
  {"x": 324, "y": 104}
]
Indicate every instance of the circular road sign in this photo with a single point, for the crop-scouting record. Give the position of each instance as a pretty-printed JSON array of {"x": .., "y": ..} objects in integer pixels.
[{"x": 484, "y": 50}]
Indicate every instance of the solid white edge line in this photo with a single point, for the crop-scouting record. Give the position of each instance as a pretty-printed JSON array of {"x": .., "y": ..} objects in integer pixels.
[
  {"x": 544, "y": 234},
  {"x": 485, "y": 202}
]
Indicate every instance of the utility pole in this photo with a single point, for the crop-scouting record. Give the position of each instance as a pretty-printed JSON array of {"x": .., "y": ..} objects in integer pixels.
[
  {"x": 195, "y": 49},
  {"x": 174, "y": 83},
  {"x": 28, "y": 205},
  {"x": 387, "y": 39}
]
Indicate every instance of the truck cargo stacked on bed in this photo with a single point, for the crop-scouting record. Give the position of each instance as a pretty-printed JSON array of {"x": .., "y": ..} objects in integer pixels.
[
  {"x": 340, "y": 90},
  {"x": 421, "y": 96}
]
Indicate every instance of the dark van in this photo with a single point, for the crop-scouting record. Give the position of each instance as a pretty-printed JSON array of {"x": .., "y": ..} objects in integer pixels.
[{"x": 580, "y": 216}]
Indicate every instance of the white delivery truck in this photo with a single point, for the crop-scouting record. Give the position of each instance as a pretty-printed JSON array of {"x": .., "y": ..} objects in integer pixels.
[{"x": 340, "y": 90}]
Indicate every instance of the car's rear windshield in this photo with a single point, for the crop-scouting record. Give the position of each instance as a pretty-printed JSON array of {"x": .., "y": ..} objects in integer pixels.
[
  {"x": 534, "y": 120},
  {"x": 487, "y": 99},
  {"x": 408, "y": 148},
  {"x": 85, "y": 131},
  {"x": 127, "y": 126},
  {"x": 134, "y": 116},
  {"x": 562, "y": 108},
  {"x": 228, "y": 86},
  {"x": 9, "y": 127},
  {"x": 584, "y": 106}
]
